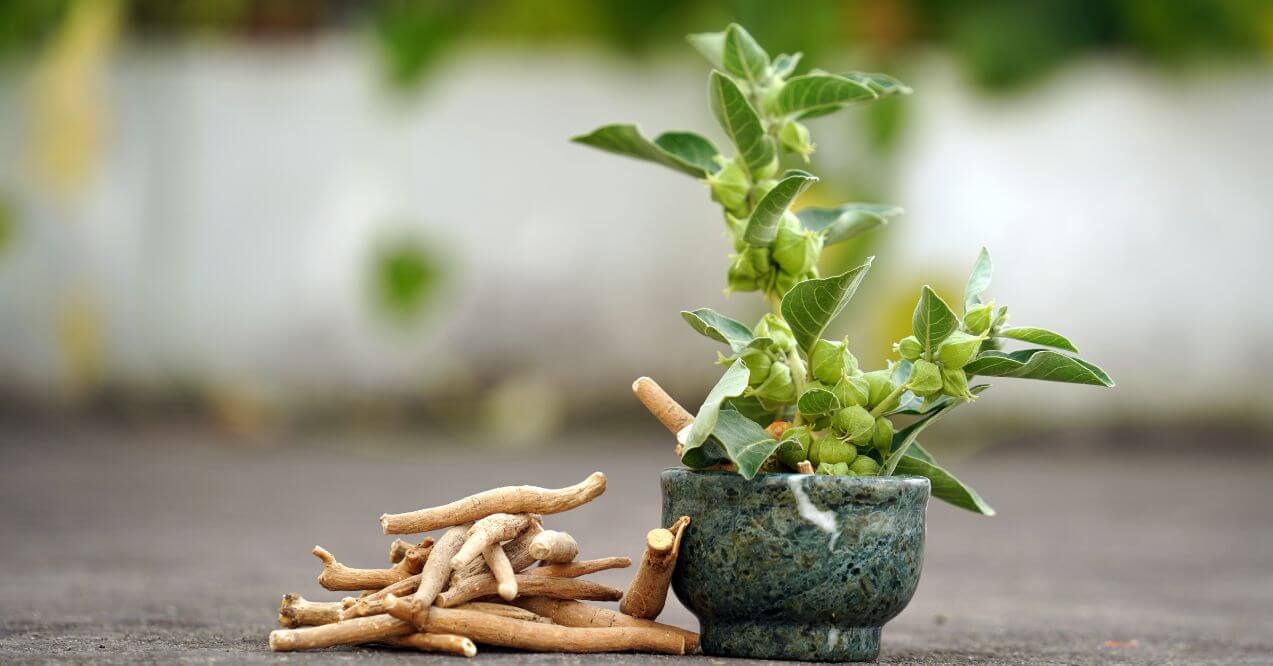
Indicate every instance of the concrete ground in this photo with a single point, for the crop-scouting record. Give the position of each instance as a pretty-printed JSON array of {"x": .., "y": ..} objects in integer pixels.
[{"x": 156, "y": 546}]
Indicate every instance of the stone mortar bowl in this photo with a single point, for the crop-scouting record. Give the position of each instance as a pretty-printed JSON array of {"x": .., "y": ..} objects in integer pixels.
[{"x": 796, "y": 566}]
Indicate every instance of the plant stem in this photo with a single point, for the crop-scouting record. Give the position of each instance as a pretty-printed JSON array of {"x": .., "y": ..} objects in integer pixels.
[{"x": 879, "y": 409}]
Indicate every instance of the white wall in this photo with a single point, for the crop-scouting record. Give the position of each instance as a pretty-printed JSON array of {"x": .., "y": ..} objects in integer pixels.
[{"x": 225, "y": 235}]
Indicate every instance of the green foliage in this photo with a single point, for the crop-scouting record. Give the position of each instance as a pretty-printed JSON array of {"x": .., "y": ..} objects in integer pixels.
[
  {"x": 833, "y": 415},
  {"x": 406, "y": 277}
]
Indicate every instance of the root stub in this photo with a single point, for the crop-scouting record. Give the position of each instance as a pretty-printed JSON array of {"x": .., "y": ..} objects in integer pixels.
[
  {"x": 509, "y": 499},
  {"x": 647, "y": 593}
]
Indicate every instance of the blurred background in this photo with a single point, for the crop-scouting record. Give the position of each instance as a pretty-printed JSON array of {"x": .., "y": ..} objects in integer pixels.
[
  {"x": 249, "y": 247},
  {"x": 269, "y": 215}
]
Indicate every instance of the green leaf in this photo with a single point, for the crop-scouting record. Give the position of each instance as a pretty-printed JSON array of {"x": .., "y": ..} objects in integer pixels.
[
  {"x": 1038, "y": 336},
  {"x": 933, "y": 320},
  {"x": 812, "y": 304},
  {"x": 920, "y": 452},
  {"x": 1042, "y": 364},
  {"x": 945, "y": 486},
  {"x": 785, "y": 64},
  {"x": 711, "y": 45},
  {"x": 978, "y": 280},
  {"x": 811, "y": 95},
  {"x": 719, "y": 327},
  {"x": 762, "y": 226},
  {"x": 914, "y": 406},
  {"x": 743, "y": 57},
  {"x": 731, "y": 385},
  {"x": 883, "y": 84},
  {"x": 903, "y": 438},
  {"x": 740, "y": 121},
  {"x": 817, "y": 401},
  {"x": 745, "y": 442},
  {"x": 752, "y": 408},
  {"x": 846, "y": 221},
  {"x": 686, "y": 152}
]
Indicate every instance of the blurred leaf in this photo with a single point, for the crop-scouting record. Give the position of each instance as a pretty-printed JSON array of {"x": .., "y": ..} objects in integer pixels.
[
  {"x": 686, "y": 152},
  {"x": 1041, "y": 364},
  {"x": 978, "y": 280},
  {"x": 711, "y": 45},
  {"x": 1038, "y": 336},
  {"x": 752, "y": 408},
  {"x": 785, "y": 64},
  {"x": 812, "y": 304},
  {"x": 406, "y": 278},
  {"x": 762, "y": 226},
  {"x": 848, "y": 220}
]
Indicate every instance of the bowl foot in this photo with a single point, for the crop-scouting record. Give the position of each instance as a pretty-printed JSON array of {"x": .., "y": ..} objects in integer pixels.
[{"x": 776, "y": 640}]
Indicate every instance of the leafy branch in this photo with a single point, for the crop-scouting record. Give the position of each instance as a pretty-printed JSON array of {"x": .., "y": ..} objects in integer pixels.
[{"x": 790, "y": 398}]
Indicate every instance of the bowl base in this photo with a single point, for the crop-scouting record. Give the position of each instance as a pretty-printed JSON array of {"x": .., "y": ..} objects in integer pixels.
[{"x": 804, "y": 642}]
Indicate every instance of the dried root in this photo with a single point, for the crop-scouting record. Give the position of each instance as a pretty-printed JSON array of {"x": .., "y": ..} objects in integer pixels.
[
  {"x": 539, "y": 637},
  {"x": 553, "y": 546},
  {"x": 446, "y": 643},
  {"x": 296, "y": 611},
  {"x": 544, "y": 586},
  {"x": 518, "y": 551},
  {"x": 349, "y": 632},
  {"x": 338, "y": 577},
  {"x": 580, "y": 568},
  {"x": 510, "y": 499},
  {"x": 504, "y": 610},
  {"x": 804, "y": 467},
  {"x": 571, "y": 613},
  {"x": 648, "y": 591},
  {"x": 492, "y": 529},
  {"x": 501, "y": 570}
]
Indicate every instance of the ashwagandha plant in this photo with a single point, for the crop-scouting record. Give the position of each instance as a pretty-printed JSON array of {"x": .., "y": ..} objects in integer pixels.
[{"x": 788, "y": 395}]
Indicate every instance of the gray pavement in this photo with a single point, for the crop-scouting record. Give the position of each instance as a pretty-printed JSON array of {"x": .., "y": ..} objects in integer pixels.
[{"x": 175, "y": 545}]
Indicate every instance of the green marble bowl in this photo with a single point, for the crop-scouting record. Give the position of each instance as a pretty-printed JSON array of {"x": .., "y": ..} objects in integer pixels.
[{"x": 796, "y": 566}]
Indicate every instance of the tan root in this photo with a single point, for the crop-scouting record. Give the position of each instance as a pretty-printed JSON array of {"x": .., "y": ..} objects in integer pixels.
[
  {"x": 509, "y": 499},
  {"x": 544, "y": 586},
  {"x": 518, "y": 551},
  {"x": 296, "y": 611},
  {"x": 669, "y": 412},
  {"x": 580, "y": 568},
  {"x": 504, "y": 610},
  {"x": 648, "y": 591},
  {"x": 437, "y": 569},
  {"x": 552, "y": 546},
  {"x": 338, "y": 577},
  {"x": 492, "y": 529},
  {"x": 804, "y": 467},
  {"x": 349, "y": 632},
  {"x": 571, "y": 613},
  {"x": 400, "y": 548},
  {"x": 501, "y": 570},
  {"x": 446, "y": 643},
  {"x": 535, "y": 636},
  {"x": 374, "y": 603}
]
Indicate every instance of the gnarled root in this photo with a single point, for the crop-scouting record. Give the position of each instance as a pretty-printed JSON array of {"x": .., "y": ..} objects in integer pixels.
[
  {"x": 571, "y": 613},
  {"x": 338, "y": 577},
  {"x": 648, "y": 591},
  {"x": 501, "y": 570},
  {"x": 553, "y": 547},
  {"x": 509, "y": 499}
]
